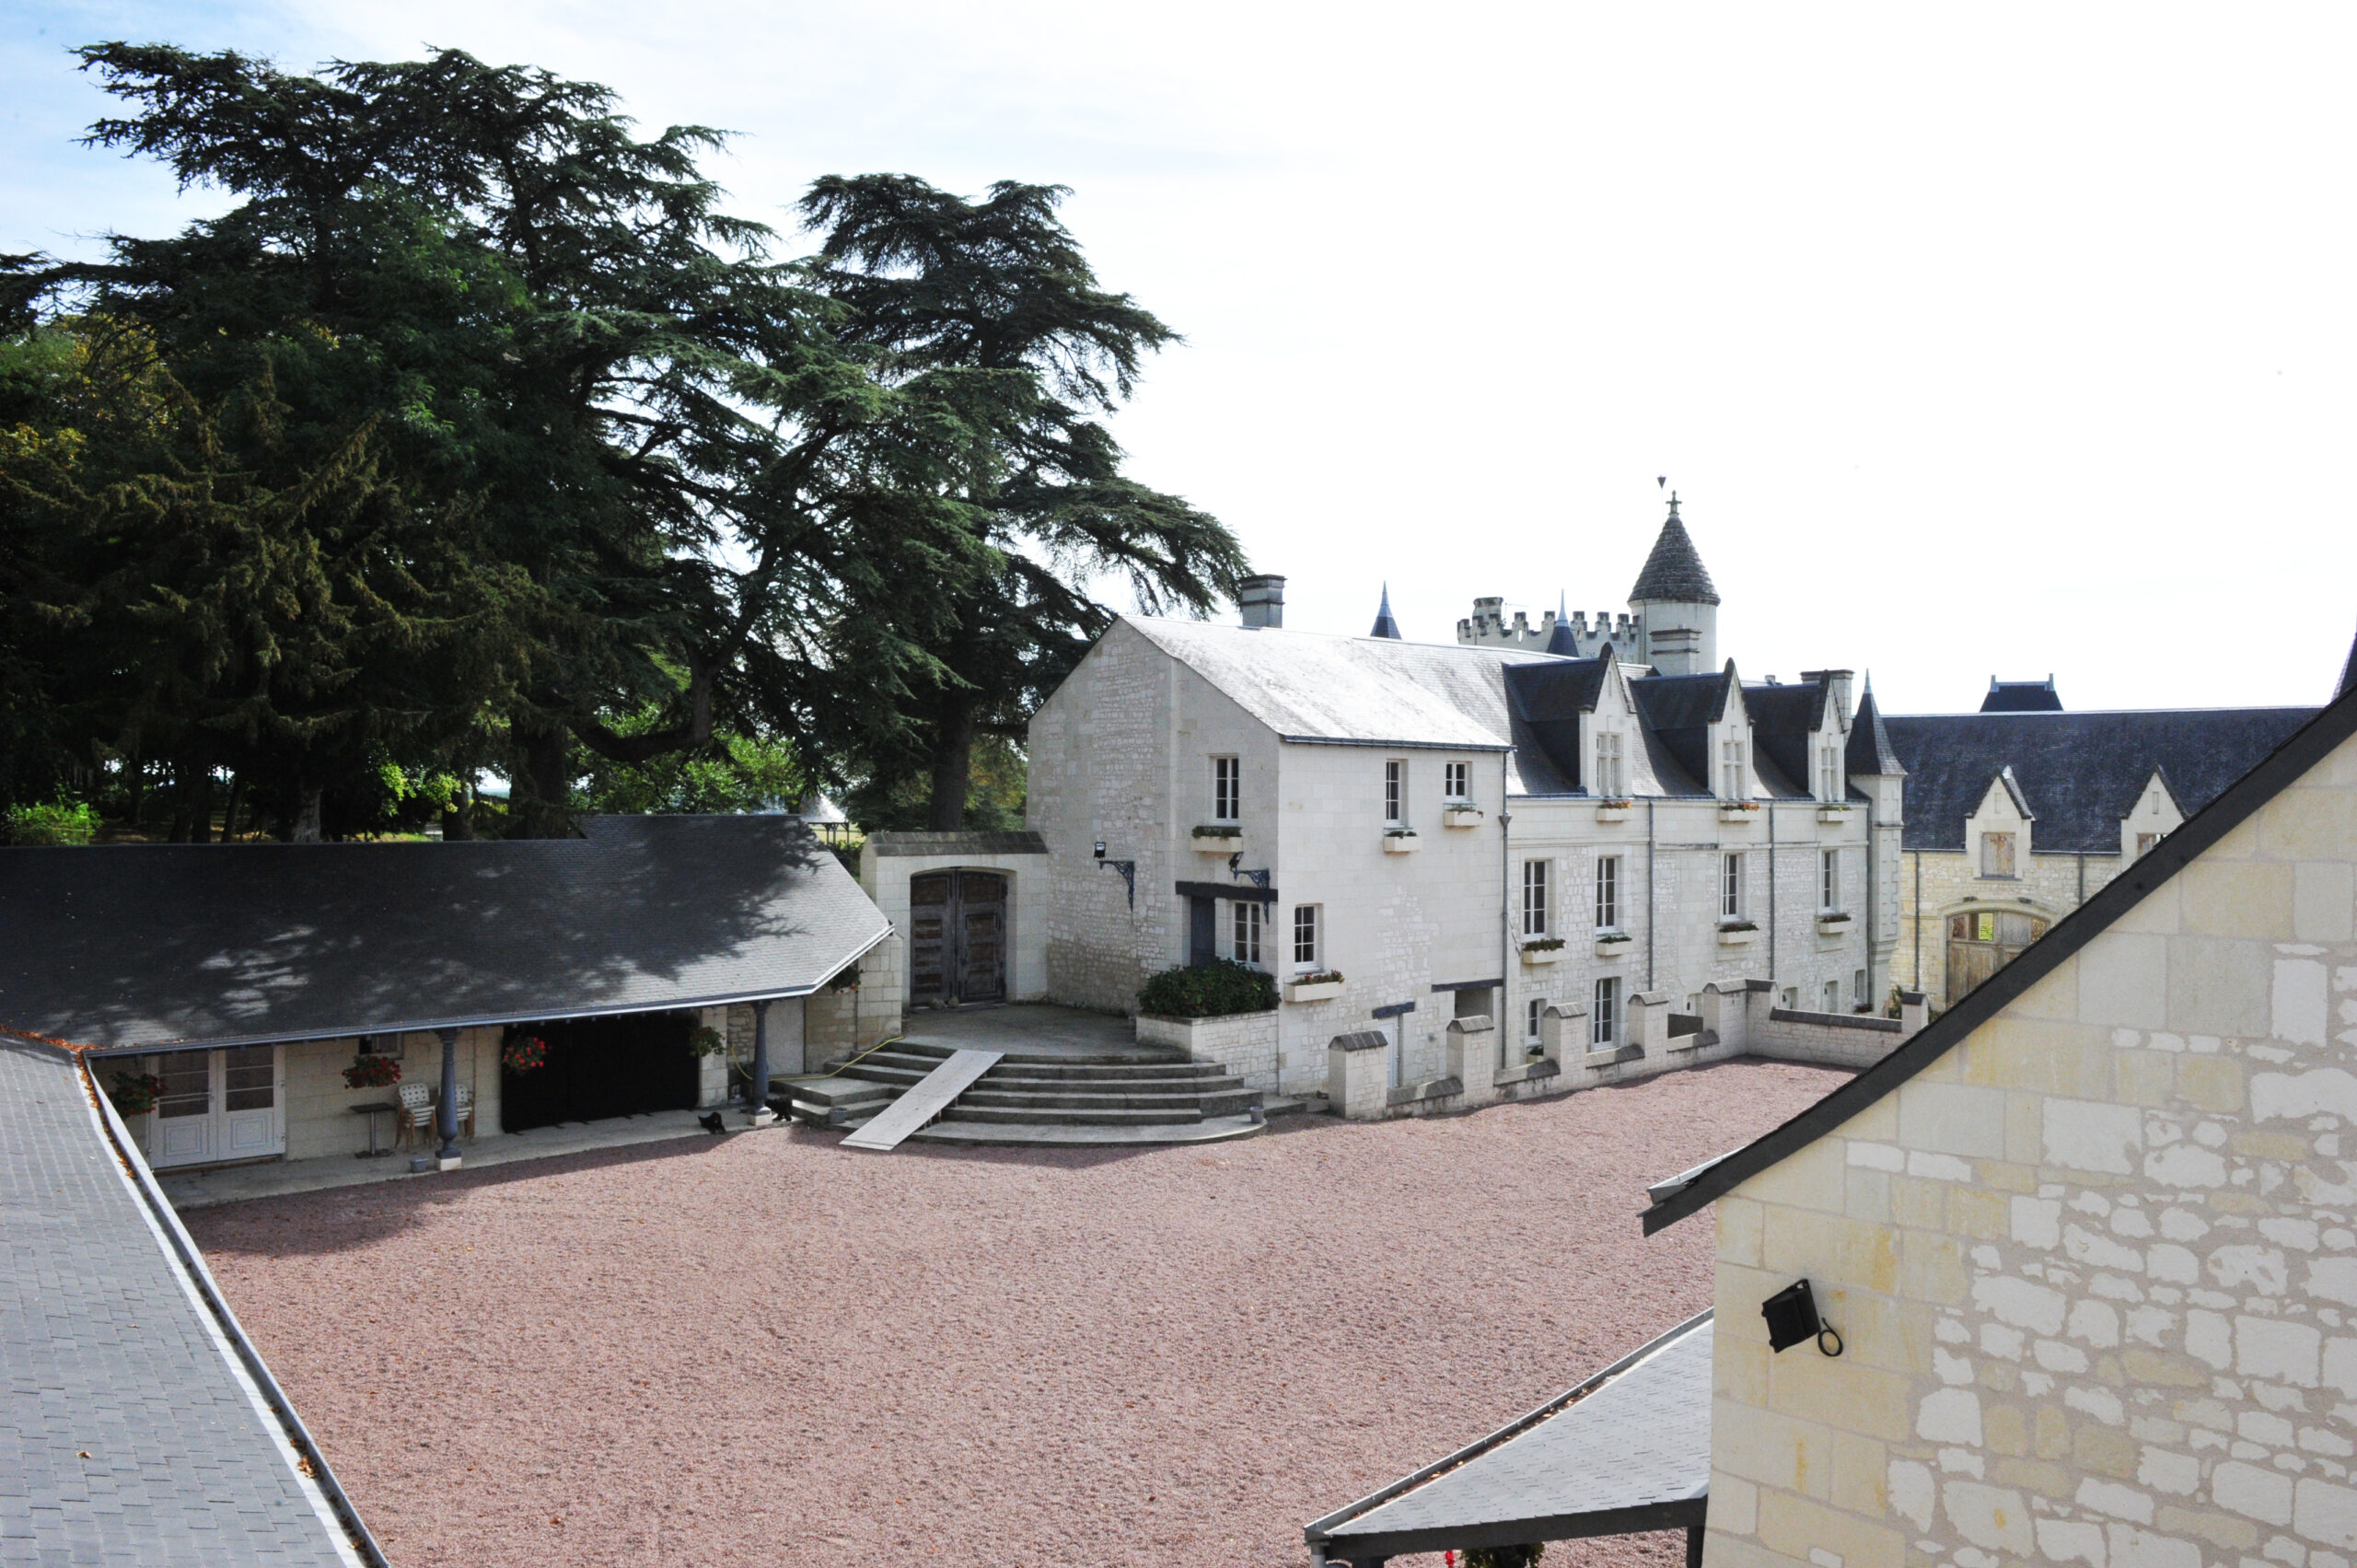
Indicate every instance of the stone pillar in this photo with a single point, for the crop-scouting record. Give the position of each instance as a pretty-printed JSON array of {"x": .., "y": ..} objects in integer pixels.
[
  {"x": 1473, "y": 1057},
  {"x": 1562, "y": 1032},
  {"x": 446, "y": 1113},
  {"x": 757, "y": 1093},
  {"x": 1726, "y": 1013},
  {"x": 1913, "y": 1014},
  {"x": 1648, "y": 1022},
  {"x": 1357, "y": 1075},
  {"x": 712, "y": 1071}
]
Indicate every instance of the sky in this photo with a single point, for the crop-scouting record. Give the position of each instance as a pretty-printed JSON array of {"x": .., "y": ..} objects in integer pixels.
[{"x": 1991, "y": 340}]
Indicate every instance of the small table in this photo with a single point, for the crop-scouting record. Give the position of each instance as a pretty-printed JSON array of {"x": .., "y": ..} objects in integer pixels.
[{"x": 372, "y": 1111}]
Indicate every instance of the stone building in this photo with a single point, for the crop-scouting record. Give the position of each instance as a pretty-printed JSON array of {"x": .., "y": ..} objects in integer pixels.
[
  {"x": 2089, "y": 1241},
  {"x": 1542, "y": 858}
]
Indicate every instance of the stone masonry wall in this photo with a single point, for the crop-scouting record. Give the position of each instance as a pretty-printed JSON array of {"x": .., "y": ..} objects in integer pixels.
[
  {"x": 1934, "y": 884},
  {"x": 1833, "y": 1039},
  {"x": 2095, "y": 1269}
]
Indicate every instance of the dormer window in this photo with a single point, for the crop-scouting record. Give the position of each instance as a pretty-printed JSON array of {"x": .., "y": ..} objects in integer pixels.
[
  {"x": 1611, "y": 766},
  {"x": 1828, "y": 775},
  {"x": 1997, "y": 854},
  {"x": 1733, "y": 782}
]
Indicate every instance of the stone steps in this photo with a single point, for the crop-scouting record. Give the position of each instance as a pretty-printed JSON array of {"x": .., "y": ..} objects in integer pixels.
[{"x": 1124, "y": 1097}]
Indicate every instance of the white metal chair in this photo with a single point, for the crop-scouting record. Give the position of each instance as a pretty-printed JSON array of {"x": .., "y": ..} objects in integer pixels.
[
  {"x": 467, "y": 1110},
  {"x": 416, "y": 1112}
]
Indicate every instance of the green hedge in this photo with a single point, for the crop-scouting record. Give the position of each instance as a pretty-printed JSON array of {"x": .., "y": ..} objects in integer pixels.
[{"x": 1208, "y": 991}]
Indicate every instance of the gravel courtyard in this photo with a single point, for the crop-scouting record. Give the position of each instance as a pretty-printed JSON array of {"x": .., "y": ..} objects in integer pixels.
[{"x": 763, "y": 1349}]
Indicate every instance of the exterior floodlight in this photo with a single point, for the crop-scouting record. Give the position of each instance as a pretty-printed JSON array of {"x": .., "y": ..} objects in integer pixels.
[
  {"x": 1100, "y": 849},
  {"x": 1793, "y": 1320}
]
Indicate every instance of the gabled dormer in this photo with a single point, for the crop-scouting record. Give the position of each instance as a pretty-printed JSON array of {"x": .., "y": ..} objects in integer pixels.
[
  {"x": 1612, "y": 741},
  {"x": 1799, "y": 735},
  {"x": 2154, "y": 816},
  {"x": 1997, "y": 833},
  {"x": 1690, "y": 721}
]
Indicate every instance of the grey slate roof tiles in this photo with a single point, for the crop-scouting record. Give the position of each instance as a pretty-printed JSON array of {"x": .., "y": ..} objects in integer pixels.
[
  {"x": 1674, "y": 571},
  {"x": 1869, "y": 755},
  {"x": 2079, "y": 772},
  {"x": 2021, "y": 697},
  {"x": 104, "y": 1352},
  {"x": 153, "y": 945}
]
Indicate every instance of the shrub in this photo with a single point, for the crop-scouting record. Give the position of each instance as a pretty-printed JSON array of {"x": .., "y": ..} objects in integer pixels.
[
  {"x": 1208, "y": 991},
  {"x": 60, "y": 822}
]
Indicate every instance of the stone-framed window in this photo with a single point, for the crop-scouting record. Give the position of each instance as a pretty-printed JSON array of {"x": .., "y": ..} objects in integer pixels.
[
  {"x": 1533, "y": 1012},
  {"x": 1997, "y": 854},
  {"x": 1608, "y": 892},
  {"x": 1457, "y": 782},
  {"x": 1829, "y": 881},
  {"x": 1611, "y": 767},
  {"x": 1228, "y": 789},
  {"x": 1305, "y": 937},
  {"x": 1731, "y": 886},
  {"x": 1829, "y": 773},
  {"x": 1604, "y": 1019},
  {"x": 1246, "y": 947},
  {"x": 1395, "y": 792},
  {"x": 1732, "y": 782},
  {"x": 1535, "y": 878}
]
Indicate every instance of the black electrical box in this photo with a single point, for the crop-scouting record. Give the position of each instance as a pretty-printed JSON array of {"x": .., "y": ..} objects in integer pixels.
[{"x": 1791, "y": 1317}]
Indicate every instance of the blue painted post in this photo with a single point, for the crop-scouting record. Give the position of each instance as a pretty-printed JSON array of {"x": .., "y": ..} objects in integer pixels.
[
  {"x": 757, "y": 1095},
  {"x": 447, "y": 1112}
]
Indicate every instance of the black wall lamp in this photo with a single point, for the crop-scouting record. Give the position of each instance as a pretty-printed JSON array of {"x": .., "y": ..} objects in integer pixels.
[{"x": 1793, "y": 1320}]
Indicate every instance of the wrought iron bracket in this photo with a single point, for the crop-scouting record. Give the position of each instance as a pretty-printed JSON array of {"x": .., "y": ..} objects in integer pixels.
[
  {"x": 1258, "y": 878},
  {"x": 1129, "y": 870}
]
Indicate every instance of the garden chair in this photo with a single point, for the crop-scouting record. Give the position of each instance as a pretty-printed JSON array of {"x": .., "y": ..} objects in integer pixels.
[
  {"x": 417, "y": 1112},
  {"x": 467, "y": 1110}
]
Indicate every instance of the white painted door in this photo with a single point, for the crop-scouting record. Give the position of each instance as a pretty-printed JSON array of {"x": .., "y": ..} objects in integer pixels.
[{"x": 218, "y": 1106}]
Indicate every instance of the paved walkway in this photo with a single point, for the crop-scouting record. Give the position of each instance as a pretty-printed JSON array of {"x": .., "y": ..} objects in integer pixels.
[
  {"x": 129, "y": 1433},
  {"x": 1035, "y": 1028}
]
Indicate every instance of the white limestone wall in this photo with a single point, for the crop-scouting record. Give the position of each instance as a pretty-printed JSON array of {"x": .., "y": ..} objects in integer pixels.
[
  {"x": 1244, "y": 1043},
  {"x": 318, "y": 1116},
  {"x": 2096, "y": 1269},
  {"x": 1030, "y": 892}
]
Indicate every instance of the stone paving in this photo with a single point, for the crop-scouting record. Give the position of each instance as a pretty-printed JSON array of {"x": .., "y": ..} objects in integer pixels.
[{"x": 127, "y": 1433}]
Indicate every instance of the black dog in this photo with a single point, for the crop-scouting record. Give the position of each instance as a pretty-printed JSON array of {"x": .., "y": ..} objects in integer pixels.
[{"x": 711, "y": 1121}]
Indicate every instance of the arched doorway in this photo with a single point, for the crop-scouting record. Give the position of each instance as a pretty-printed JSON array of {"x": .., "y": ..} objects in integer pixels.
[
  {"x": 957, "y": 937},
  {"x": 1981, "y": 942}
]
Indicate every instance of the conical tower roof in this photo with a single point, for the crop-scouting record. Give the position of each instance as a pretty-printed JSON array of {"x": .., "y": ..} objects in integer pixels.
[
  {"x": 1384, "y": 625},
  {"x": 1561, "y": 641},
  {"x": 1869, "y": 754},
  {"x": 1674, "y": 571}
]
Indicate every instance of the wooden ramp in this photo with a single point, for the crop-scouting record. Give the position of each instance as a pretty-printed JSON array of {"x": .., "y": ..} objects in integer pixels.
[{"x": 925, "y": 1099}]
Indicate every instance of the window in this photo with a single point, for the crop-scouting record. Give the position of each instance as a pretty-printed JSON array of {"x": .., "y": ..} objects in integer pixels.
[
  {"x": 1828, "y": 775},
  {"x": 1457, "y": 780},
  {"x": 1246, "y": 949},
  {"x": 1605, "y": 1019},
  {"x": 1534, "y": 898},
  {"x": 1858, "y": 990},
  {"x": 1832, "y": 996},
  {"x": 1305, "y": 936},
  {"x": 1395, "y": 792},
  {"x": 1607, "y": 893},
  {"x": 1731, "y": 886},
  {"x": 1612, "y": 768},
  {"x": 1228, "y": 789},
  {"x": 1828, "y": 880},
  {"x": 1996, "y": 855},
  {"x": 1792, "y": 999},
  {"x": 2145, "y": 843},
  {"x": 1533, "y": 1012},
  {"x": 1732, "y": 782}
]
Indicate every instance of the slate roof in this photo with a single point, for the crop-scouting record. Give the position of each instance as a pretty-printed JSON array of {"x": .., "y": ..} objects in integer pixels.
[
  {"x": 1564, "y": 643},
  {"x": 129, "y": 1431},
  {"x": 2282, "y": 767},
  {"x": 1384, "y": 626},
  {"x": 2021, "y": 697},
  {"x": 1546, "y": 700},
  {"x": 1784, "y": 719},
  {"x": 1869, "y": 755},
  {"x": 1674, "y": 571},
  {"x": 1677, "y": 711},
  {"x": 2348, "y": 673},
  {"x": 158, "y": 945},
  {"x": 2080, "y": 773},
  {"x": 1628, "y": 1451},
  {"x": 1308, "y": 686}
]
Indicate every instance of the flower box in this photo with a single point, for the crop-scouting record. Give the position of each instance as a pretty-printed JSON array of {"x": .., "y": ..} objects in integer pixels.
[
  {"x": 1738, "y": 811},
  {"x": 1313, "y": 988},
  {"x": 1461, "y": 816},
  {"x": 1219, "y": 838},
  {"x": 1737, "y": 935},
  {"x": 1832, "y": 924},
  {"x": 1831, "y": 813},
  {"x": 1611, "y": 811},
  {"x": 1612, "y": 947},
  {"x": 1401, "y": 841},
  {"x": 1546, "y": 950}
]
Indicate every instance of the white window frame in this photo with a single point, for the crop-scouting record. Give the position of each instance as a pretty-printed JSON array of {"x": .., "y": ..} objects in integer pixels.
[
  {"x": 1538, "y": 878},
  {"x": 1247, "y": 931},
  {"x": 1608, "y": 892},
  {"x": 1828, "y": 775},
  {"x": 1228, "y": 789},
  {"x": 1456, "y": 783},
  {"x": 1829, "y": 881},
  {"x": 1604, "y": 1021},
  {"x": 1395, "y": 792},
  {"x": 1611, "y": 765},
  {"x": 1734, "y": 779},
  {"x": 1533, "y": 1012},
  {"x": 1731, "y": 884},
  {"x": 1308, "y": 937}
]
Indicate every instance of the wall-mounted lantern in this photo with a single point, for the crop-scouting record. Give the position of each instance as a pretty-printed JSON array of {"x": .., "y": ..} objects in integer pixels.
[{"x": 1793, "y": 1320}]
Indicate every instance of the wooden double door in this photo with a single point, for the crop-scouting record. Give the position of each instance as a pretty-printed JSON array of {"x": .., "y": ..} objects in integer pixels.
[
  {"x": 957, "y": 937},
  {"x": 1982, "y": 941}
]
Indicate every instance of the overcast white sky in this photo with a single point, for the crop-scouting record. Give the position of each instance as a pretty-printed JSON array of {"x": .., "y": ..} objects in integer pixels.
[{"x": 1978, "y": 340}]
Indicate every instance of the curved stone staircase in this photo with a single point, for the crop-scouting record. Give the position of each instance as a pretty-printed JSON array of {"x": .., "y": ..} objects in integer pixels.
[{"x": 1140, "y": 1096}]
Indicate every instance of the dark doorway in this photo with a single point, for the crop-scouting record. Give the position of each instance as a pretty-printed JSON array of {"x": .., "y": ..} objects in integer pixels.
[
  {"x": 957, "y": 937},
  {"x": 1202, "y": 930},
  {"x": 601, "y": 1067}
]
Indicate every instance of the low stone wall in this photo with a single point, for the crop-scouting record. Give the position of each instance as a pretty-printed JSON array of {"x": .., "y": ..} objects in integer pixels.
[
  {"x": 1830, "y": 1040},
  {"x": 1244, "y": 1043}
]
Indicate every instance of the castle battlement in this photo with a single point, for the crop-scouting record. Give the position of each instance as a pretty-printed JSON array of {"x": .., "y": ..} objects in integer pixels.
[{"x": 1489, "y": 627}]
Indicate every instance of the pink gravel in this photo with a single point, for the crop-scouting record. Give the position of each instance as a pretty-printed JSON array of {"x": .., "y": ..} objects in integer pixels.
[{"x": 767, "y": 1349}]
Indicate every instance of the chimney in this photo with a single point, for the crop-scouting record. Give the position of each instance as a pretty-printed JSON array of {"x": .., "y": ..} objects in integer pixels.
[
  {"x": 1838, "y": 680},
  {"x": 1262, "y": 600}
]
